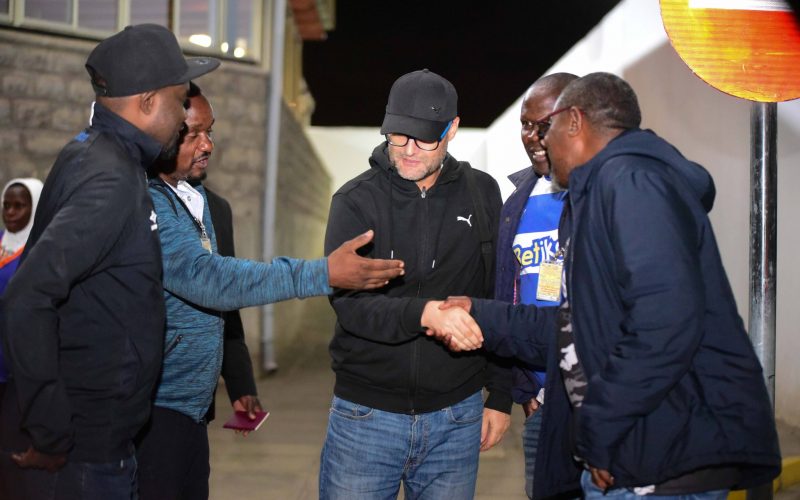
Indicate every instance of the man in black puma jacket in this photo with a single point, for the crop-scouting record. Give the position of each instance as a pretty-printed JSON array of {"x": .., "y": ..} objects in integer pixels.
[{"x": 406, "y": 398}]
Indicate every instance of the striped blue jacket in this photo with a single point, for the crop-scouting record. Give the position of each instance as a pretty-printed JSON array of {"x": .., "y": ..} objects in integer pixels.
[{"x": 199, "y": 284}]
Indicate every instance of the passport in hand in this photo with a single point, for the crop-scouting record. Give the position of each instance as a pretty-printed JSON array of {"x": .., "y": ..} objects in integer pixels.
[{"x": 240, "y": 422}]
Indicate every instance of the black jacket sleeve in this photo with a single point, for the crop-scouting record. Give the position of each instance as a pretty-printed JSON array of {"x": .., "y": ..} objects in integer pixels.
[
  {"x": 499, "y": 375},
  {"x": 85, "y": 228},
  {"x": 370, "y": 315},
  {"x": 237, "y": 368}
]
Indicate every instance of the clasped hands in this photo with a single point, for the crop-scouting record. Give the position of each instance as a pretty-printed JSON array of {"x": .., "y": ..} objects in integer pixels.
[{"x": 449, "y": 322}]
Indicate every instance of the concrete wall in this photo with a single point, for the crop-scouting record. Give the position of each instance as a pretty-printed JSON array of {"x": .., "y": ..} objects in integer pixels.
[
  {"x": 44, "y": 101},
  {"x": 709, "y": 127}
]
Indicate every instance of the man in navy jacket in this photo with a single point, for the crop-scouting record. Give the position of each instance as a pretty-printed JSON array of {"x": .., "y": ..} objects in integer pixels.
[{"x": 666, "y": 394}]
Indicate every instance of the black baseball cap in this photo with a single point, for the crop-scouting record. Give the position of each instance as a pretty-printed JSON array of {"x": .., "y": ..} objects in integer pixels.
[
  {"x": 141, "y": 58},
  {"x": 421, "y": 105}
]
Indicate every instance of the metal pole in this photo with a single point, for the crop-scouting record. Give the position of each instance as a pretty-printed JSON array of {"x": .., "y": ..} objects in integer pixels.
[
  {"x": 272, "y": 145},
  {"x": 763, "y": 247}
]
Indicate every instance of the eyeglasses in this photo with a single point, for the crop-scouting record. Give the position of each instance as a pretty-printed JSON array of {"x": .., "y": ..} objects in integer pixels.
[
  {"x": 400, "y": 140},
  {"x": 543, "y": 125}
]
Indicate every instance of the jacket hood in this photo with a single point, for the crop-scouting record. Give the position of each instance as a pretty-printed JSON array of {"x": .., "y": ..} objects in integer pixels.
[{"x": 646, "y": 143}]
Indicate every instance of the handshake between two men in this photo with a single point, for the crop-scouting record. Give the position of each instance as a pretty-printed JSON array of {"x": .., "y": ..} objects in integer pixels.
[{"x": 450, "y": 322}]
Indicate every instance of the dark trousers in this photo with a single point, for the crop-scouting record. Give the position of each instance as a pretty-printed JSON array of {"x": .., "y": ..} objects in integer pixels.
[
  {"x": 114, "y": 480},
  {"x": 172, "y": 452},
  {"x": 74, "y": 481}
]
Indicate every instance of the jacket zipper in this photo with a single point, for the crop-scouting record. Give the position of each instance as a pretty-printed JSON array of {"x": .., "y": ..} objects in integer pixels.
[
  {"x": 173, "y": 345},
  {"x": 422, "y": 259}
]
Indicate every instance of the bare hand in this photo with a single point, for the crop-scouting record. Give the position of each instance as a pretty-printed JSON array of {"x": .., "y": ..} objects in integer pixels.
[
  {"x": 461, "y": 301},
  {"x": 33, "y": 459},
  {"x": 454, "y": 327},
  {"x": 251, "y": 405},
  {"x": 347, "y": 269},
  {"x": 494, "y": 426},
  {"x": 601, "y": 478},
  {"x": 530, "y": 407}
]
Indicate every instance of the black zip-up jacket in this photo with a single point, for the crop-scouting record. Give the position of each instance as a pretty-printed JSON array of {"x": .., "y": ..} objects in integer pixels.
[
  {"x": 84, "y": 314},
  {"x": 381, "y": 356}
]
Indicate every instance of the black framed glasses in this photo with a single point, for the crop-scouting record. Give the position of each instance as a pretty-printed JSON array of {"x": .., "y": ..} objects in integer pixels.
[
  {"x": 400, "y": 140},
  {"x": 543, "y": 124}
]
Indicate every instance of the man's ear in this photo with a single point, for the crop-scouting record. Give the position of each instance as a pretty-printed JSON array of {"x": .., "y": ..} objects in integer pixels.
[
  {"x": 453, "y": 129},
  {"x": 576, "y": 121},
  {"x": 147, "y": 101}
]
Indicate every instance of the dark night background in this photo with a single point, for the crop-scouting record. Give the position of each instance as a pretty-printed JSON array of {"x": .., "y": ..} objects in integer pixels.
[{"x": 491, "y": 51}]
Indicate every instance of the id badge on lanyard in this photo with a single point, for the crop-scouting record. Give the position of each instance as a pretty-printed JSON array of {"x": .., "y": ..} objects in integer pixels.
[
  {"x": 550, "y": 275},
  {"x": 205, "y": 241}
]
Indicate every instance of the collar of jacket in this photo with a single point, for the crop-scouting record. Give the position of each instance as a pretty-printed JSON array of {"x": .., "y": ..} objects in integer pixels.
[
  {"x": 581, "y": 177},
  {"x": 380, "y": 160},
  {"x": 648, "y": 145},
  {"x": 520, "y": 177},
  {"x": 143, "y": 148}
]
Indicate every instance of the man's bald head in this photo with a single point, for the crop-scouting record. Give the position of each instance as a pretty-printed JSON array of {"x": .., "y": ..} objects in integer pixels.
[{"x": 536, "y": 104}]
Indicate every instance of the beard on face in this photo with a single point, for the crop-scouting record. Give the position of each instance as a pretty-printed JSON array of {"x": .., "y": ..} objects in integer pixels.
[
  {"x": 556, "y": 185},
  {"x": 195, "y": 179},
  {"x": 431, "y": 166},
  {"x": 169, "y": 152}
]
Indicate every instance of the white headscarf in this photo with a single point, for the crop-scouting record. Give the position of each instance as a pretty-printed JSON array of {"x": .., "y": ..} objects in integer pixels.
[{"x": 11, "y": 242}]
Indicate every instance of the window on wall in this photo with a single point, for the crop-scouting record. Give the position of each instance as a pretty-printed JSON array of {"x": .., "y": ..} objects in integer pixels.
[
  {"x": 227, "y": 28},
  {"x": 59, "y": 11},
  {"x": 224, "y": 26},
  {"x": 100, "y": 15},
  {"x": 150, "y": 11}
]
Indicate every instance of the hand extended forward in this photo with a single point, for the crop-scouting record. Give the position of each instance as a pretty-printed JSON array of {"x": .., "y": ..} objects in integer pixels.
[
  {"x": 453, "y": 326},
  {"x": 347, "y": 269}
]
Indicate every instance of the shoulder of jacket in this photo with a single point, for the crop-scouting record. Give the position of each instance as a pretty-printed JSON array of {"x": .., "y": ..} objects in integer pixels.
[
  {"x": 162, "y": 196},
  {"x": 368, "y": 177},
  {"x": 484, "y": 177}
]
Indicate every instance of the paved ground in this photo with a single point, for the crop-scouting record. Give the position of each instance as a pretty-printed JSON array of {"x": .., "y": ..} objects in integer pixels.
[{"x": 280, "y": 461}]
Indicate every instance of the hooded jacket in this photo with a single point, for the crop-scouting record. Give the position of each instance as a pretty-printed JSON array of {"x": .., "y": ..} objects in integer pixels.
[
  {"x": 674, "y": 385},
  {"x": 381, "y": 356}
]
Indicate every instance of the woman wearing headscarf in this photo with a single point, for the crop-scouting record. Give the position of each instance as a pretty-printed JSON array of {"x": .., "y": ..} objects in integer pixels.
[{"x": 20, "y": 197}]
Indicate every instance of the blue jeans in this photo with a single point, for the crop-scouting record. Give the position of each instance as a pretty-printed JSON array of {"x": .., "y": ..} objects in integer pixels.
[
  {"x": 592, "y": 492},
  {"x": 530, "y": 442},
  {"x": 368, "y": 452},
  {"x": 76, "y": 480}
]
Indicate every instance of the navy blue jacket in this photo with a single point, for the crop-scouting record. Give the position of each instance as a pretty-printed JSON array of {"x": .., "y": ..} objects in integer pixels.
[
  {"x": 84, "y": 314},
  {"x": 674, "y": 383},
  {"x": 507, "y": 268},
  {"x": 552, "y": 474}
]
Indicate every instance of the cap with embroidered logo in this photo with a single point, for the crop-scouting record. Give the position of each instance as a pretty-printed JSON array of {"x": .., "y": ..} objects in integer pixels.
[
  {"x": 142, "y": 58},
  {"x": 421, "y": 105}
]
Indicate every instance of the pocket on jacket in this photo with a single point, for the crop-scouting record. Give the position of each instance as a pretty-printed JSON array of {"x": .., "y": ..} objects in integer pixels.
[{"x": 173, "y": 345}]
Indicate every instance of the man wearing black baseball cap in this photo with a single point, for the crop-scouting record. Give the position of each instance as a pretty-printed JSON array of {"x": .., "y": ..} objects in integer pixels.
[
  {"x": 83, "y": 320},
  {"x": 417, "y": 410}
]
